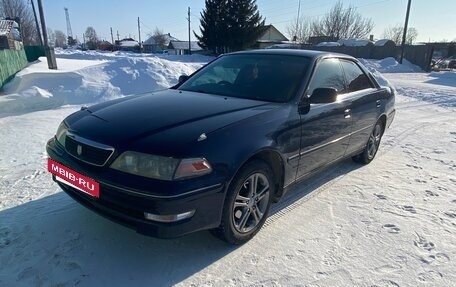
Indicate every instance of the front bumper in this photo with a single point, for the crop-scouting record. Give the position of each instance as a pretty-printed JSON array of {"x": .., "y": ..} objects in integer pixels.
[{"x": 126, "y": 206}]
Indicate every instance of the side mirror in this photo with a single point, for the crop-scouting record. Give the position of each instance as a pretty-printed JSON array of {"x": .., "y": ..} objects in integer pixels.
[
  {"x": 183, "y": 78},
  {"x": 323, "y": 96}
]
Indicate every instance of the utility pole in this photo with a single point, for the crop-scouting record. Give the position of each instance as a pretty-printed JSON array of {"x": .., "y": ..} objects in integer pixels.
[
  {"x": 189, "y": 39},
  {"x": 139, "y": 33},
  {"x": 52, "y": 64},
  {"x": 36, "y": 22},
  {"x": 297, "y": 22},
  {"x": 404, "y": 35},
  {"x": 112, "y": 37}
]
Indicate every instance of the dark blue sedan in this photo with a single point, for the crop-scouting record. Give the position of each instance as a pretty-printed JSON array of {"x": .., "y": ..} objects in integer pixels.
[{"x": 214, "y": 151}]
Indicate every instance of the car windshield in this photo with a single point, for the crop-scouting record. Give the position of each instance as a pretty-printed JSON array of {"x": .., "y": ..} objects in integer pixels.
[{"x": 265, "y": 77}]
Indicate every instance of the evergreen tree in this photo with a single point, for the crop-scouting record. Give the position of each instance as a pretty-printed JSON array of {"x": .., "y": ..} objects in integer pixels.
[
  {"x": 245, "y": 24},
  {"x": 213, "y": 26},
  {"x": 229, "y": 25}
]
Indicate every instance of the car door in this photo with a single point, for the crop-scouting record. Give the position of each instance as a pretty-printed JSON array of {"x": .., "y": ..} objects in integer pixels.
[
  {"x": 366, "y": 101},
  {"x": 325, "y": 128}
]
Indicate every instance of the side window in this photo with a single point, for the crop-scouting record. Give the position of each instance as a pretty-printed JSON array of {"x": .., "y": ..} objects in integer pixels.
[
  {"x": 328, "y": 74},
  {"x": 356, "y": 79}
]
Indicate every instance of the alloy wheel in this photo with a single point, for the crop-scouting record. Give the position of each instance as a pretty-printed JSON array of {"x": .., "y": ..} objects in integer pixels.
[{"x": 251, "y": 203}]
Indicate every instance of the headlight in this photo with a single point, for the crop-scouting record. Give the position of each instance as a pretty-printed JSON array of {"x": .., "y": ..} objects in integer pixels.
[
  {"x": 61, "y": 133},
  {"x": 159, "y": 167}
]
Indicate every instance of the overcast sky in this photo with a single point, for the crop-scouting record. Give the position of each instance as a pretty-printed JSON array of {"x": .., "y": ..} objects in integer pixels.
[{"x": 434, "y": 20}]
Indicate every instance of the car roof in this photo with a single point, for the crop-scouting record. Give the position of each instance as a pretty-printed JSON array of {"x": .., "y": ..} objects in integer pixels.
[{"x": 295, "y": 52}]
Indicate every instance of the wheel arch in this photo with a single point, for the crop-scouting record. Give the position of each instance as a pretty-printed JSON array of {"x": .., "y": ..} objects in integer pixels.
[
  {"x": 382, "y": 119},
  {"x": 275, "y": 161}
]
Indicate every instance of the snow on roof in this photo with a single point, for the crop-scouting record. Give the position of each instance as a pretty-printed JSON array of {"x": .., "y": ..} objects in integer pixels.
[
  {"x": 183, "y": 45},
  {"x": 354, "y": 42},
  {"x": 284, "y": 46},
  {"x": 382, "y": 42},
  {"x": 168, "y": 38},
  {"x": 129, "y": 43},
  {"x": 6, "y": 26},
  {"x": 328, "y": 44}
]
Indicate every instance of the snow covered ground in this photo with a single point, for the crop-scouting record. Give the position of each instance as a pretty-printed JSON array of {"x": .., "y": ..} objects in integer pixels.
[{"x": 390, "y": 223}]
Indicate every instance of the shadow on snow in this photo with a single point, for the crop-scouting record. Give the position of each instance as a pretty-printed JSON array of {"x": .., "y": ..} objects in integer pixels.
[{"x": 54, "y": 241}]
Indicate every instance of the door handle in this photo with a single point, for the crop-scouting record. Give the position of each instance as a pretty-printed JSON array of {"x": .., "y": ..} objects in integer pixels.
[
  {"x": 347, "y": 113},
  {"x": 379, "y": 103}
]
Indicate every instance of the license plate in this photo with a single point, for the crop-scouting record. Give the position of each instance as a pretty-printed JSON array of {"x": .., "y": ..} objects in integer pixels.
[{"x": 73, "y": 178}]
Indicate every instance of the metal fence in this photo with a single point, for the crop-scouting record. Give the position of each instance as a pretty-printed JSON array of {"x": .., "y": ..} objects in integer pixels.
[
  {"x": 11, "y": 62},
  {"x": 420, "y": 55},
  {"x": 34, "y": 52}
]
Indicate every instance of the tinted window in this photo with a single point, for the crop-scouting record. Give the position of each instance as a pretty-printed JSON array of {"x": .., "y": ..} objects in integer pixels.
[
  {"x": 328, "y": 74},
  {"x": 274, "y": 78},
  {"x": 356, "y": 79}
]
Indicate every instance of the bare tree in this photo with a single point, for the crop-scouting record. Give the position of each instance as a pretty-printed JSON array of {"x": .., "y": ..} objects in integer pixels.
[
  {"x": 51, "y": 37},
  {"x": 342, "y": 22},
  {"x": 92, "y": 38},
  {"x": 159, "y": 38},
  {"x": 60, "y": 39},
  {"x": 394, "y": 33},
  {"x": 299, "y": 30},
  {"x": 19, "y": 9},
  {"x": 412, "y": 34}
]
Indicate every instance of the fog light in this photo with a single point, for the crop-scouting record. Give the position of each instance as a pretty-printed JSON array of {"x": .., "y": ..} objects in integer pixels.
[{"x": 169, "y": 218}]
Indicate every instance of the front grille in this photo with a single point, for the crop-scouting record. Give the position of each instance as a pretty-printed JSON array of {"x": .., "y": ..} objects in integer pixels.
[{"x": 87, "y": 151}]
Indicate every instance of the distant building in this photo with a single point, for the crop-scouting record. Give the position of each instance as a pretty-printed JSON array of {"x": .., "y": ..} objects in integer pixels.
[
  {"x": 151, "y": 46},
  {"x": 384, "y": 43},
  {"x": 10, "y": 36},
  {"x": 355, "y": 42},
  {"x": 270, "y": 37},
  {"x": 127, "y": 44},
  {"x": 105, "y": 46},
  {"x": 181, "y": 47},
  {"x": 314, "y": 40}
]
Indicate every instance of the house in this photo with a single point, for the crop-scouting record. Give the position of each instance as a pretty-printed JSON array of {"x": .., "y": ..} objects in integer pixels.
[
  {"x": 10, "y": 36},
  {"x": 270, "y": 37},
  {"x": 314, "y": 40},
  {"x": 105, "y": 46},
  {"x": 151, "y": 45},
  {"x": 127, "y": 44},
  {"x": 384, "y": 43},
  {"x": 181, "y": 47}
]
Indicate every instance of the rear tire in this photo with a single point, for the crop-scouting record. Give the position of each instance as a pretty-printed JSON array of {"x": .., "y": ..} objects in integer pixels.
[
  {"x": 247, "y": 203},
  {"x": 373, "y": 143}
]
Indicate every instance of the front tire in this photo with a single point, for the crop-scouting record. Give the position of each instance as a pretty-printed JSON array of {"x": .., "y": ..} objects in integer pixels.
[
  {"x": 372, "y": 145},
  {"x": 247, "y": 204}
]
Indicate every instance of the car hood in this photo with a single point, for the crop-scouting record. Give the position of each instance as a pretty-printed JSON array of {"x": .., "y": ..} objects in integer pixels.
[{"x": 169, "y": 115}]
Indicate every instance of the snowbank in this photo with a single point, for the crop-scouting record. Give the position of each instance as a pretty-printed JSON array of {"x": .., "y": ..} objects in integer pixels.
[
  {"x": 390, "y": 223},
  {"x": 91, "y": 77},
  {"x": 390, "y": 65}
]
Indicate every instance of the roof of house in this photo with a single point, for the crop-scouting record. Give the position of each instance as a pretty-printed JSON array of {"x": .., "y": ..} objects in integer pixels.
[
  {"x": 128, "y": 43},
  {"x": 271, "y": 34},
  {"x": 183, "y": 45},
  {"x": 6, "y": 26},
  {"x": 383, "y": 42},
  {"x": 168, "y": 38},
  {"x": 353, "y": 42},
  {"x": 328, "y": 44}
]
